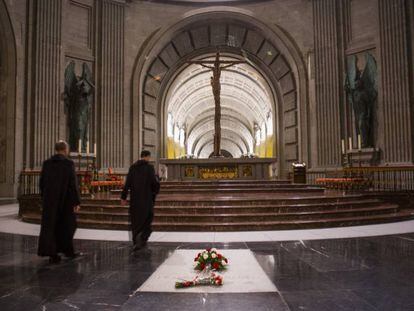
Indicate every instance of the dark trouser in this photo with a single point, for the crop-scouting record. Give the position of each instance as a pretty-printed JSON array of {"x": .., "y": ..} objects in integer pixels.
[{"x": 143, "y": 233}]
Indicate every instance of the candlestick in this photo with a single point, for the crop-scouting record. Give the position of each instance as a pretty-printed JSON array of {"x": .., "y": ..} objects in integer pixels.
[
  {"x": 87, "y": 148},
  {"x": 94, "y": 149},
  {"x": 80, "y": 146},
  {"x": 343, "y": 146},
  {"x": 350, "y": 143},
  {"x": 359, "y": 142}
]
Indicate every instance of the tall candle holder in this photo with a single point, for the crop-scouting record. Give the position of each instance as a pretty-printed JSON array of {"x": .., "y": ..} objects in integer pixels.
[{"x": 79, "y": 161}]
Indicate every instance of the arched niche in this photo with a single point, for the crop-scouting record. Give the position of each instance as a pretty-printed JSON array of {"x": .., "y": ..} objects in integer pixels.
[{"x": 270, "y": 49}]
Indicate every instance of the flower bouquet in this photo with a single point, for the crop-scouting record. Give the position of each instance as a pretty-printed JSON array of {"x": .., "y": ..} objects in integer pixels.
[
  {"x": 210, "y": 259},
  {"x": 212, "y": 280}
]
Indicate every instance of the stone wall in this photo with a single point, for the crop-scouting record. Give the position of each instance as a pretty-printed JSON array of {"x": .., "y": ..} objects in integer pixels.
[
  {"x": 344, "y": 28},
  {"x": 110, "y": 36},
  {"x": 12, "y": 52}
]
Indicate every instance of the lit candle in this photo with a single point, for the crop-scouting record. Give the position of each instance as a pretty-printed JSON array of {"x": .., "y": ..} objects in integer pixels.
[
  {"x": 343, "y": 145},
  {"x": 350, "y": 143},
  {"x": 80, "y": 146},
  {"x": 359, "y": 142},
  {"x": 87, "y": 147}
]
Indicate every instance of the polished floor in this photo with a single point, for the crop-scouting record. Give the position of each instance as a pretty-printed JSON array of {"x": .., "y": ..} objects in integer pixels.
[
  {"x": 10, "y": 223},
  {"x": 373, "y": 273}
]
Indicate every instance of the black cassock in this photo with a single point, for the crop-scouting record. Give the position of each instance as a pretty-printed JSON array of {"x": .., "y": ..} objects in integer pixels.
[
  {"x": 60, "y": 194},
  {"x": 144, "y": 186}
]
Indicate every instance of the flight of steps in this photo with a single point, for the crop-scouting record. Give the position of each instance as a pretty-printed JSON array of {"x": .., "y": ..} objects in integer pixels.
[
  {"x": 237, "y": 206},
  {"x": 7, "y": 201}
]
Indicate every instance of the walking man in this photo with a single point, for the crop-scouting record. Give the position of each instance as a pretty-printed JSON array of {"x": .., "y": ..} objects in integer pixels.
[
  {"x": 60, "y": 199},
  {"x": 144, "y": 186}
]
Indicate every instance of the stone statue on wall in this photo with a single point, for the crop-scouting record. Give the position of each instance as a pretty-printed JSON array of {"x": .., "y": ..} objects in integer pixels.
[
  {"x": 78, "y": 98},
  {"x": 362, "y": 91}
]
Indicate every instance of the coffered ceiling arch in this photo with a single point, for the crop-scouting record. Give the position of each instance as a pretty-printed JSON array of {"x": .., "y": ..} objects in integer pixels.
[
  {"x": 227, "y": 145},
  {"x": 243, "y": 89},
  {"x": 238, "y": 33},
  {"x": 230, "y": 126},
  {"x": 227, "y": 134}
]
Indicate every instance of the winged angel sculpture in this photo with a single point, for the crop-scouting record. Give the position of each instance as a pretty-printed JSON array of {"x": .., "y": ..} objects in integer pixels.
[
  {"x": 78, "y": 98},
  {"x": 362, "y": 91}
]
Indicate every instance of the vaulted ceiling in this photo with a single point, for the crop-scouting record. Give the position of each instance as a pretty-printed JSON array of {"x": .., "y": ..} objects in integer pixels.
[{"x": 246, "y": 101}]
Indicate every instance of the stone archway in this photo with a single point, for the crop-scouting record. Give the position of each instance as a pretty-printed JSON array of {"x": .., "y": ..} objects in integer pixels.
[
  {"x": 273, "y": 53},
  {"x": 7, "y": 104}
]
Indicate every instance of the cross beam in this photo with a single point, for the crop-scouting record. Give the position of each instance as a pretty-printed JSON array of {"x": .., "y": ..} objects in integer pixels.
[{"x": 216, "y": 66}]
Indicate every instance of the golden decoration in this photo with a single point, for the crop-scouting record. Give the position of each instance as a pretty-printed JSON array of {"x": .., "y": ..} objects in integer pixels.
[
  {"x": 189, "y": 171},
  {"x": 247, "y": 171},
  {"x": 218, "y": 173}
]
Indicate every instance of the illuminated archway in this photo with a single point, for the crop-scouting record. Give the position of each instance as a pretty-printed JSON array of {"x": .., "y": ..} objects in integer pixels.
[
  {"x": 239, "y": 34},
  {"x": 246, "y": 102}
]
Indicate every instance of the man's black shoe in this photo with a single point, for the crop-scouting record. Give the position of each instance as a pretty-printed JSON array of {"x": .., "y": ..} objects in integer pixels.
[{"x": 140, "y": 244}]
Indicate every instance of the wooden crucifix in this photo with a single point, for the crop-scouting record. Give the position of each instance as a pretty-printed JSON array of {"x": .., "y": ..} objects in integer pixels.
[{"x": 216, "y": 66}]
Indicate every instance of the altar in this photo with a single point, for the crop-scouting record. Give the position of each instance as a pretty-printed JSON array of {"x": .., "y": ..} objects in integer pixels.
[{"x": 218, "y": 168}]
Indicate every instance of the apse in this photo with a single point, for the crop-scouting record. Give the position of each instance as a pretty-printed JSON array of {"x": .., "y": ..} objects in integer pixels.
[{"x": 247, "y": 113}]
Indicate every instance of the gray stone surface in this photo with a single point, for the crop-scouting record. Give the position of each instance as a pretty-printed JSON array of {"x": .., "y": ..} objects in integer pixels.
[{"x": 301, "y": 47}]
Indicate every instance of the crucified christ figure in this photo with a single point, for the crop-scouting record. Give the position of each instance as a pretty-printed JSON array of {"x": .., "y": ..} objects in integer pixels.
[{"x": 216, "y": 66}]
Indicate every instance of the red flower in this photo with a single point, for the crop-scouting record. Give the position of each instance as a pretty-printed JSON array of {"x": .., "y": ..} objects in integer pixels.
[
  {"x": 225, "y": 259},
  {"x": 216, "y": 265},
  {"x": 218, "y": 280},
  {"x": 202, "y": 266},
  {"x": 219, "y": 256},
  {"x": 208, "y": 250}
]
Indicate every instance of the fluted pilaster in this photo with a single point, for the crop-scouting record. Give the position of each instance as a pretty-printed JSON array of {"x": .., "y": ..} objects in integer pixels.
[
  {"x": 46, "y": 76},
  {"x": 394, "y": 82},
  {"x": 111, "y": 108},
  {"x": 328, "y": 79}
]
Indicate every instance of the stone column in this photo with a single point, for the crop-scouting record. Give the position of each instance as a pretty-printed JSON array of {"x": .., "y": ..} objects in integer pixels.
[
  {"x": 328, "y": 79},
  {"x": 110, "y": 101},
  {"x": 45, "y": 99},
  {"x": 394, "y": 83}
]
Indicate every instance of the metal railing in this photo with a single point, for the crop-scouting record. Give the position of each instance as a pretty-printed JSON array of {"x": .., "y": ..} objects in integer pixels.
[
  {"x": 381, "y": 178},
  {"x": 29, "y": 181}
]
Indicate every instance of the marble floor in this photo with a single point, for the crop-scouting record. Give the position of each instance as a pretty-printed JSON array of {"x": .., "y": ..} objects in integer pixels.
[
  {"x": 9, "y": 223},
  {"x": 365, "y": 273}
]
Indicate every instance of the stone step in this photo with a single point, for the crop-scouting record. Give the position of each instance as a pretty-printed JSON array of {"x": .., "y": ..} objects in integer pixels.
[
  {"x": 233, "y": 190},
  {"x": 242, "y": 190},
  {"x": 277, "y": 208},
  {"x": 231, "y": 186},
  {"x": 284, "y": 224},
  {"x": 242, "y": 217},
  {"x": 7, "y": 200},
  {"x": 227, "y": 182},
  {"x": 223, "y": 200},
  {"x": 245, "y": 226}
]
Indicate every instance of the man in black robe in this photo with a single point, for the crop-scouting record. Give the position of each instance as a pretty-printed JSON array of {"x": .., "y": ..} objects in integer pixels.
[
  {"x": 144, "y": 186},
  {"x": 60, "y": 199}
]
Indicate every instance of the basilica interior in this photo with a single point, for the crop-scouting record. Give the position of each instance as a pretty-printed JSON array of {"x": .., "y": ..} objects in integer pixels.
[{"x": 281, "y": 133}]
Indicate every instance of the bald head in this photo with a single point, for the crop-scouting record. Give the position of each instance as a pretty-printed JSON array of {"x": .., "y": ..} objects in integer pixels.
[{"x": 62, "y": 147}]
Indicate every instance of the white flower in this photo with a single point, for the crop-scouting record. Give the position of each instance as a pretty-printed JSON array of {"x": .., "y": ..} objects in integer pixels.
[
  {"x": 213, "y": 255},
  {"x": 205, "y": 256},
  {"x": 223, "y": 263},
  {"x": 213, "y": 250}
]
